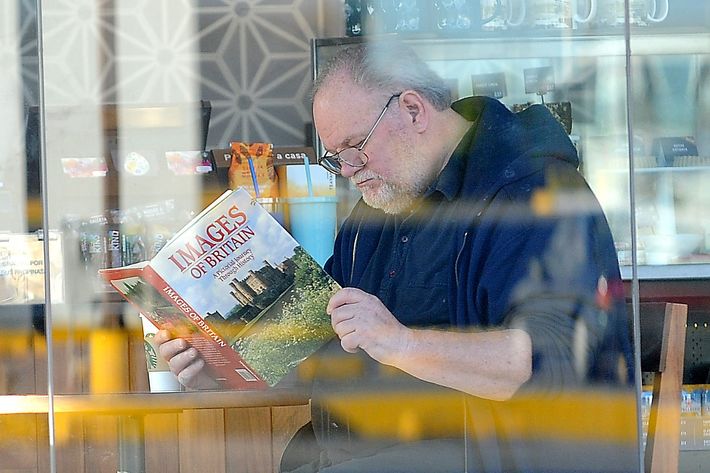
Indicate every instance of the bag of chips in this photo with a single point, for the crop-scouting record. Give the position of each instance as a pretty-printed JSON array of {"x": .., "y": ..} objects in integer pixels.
[{"x": 252, "y": 167}]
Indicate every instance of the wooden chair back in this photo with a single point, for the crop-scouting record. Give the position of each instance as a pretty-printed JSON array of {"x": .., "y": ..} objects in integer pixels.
[{"x": 662, "y": 330}]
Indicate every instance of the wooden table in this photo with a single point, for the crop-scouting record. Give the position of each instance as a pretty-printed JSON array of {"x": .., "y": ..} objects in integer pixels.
[{"x": 157, "y": 432}]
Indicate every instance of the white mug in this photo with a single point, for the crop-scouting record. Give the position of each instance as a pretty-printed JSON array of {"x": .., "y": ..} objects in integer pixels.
[
  {"x": 658, "y": 6},
  {"x": 641, "y": 12},
  {"x": 591, "y": 12},
  {"x": 500, "y": 14}
]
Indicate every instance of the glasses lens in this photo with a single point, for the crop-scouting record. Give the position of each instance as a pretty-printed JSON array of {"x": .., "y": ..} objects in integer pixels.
[
  {"x": 331, "y": 164},
  {"x": 353, "y": 156}
]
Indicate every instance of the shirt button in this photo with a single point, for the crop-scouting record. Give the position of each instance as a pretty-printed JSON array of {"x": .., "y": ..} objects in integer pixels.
[
  {"x": 393, "y": 273},
  {"x": 405, "y": 239}
]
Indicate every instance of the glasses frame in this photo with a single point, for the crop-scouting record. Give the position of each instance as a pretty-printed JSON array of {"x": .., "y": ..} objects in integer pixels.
[{"x": 332, "y": 162}]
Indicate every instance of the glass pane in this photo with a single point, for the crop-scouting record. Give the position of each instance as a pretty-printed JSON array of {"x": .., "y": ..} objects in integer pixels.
[
  {"x": 670, "y": 117},
  {"x": 562, "y": 58},
  {"x": 24, "y": 443},
  {"x": 670, "y": 44},
  {"x": 141, "y": 102},
  {"x": 501, "y": 243}
]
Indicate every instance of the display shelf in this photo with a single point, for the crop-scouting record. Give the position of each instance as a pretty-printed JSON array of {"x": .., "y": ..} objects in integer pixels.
[
  {"x": 657, "y": 170},
  {"x": 599, "y": 113},
  {"x": 534, "y": 45},
  {"x": 672, "y": 169},
  {"x": 668, "y": 271}
]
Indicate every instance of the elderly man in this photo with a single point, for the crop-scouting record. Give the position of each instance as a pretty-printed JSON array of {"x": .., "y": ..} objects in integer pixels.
[{"x": 463, "y": 280}]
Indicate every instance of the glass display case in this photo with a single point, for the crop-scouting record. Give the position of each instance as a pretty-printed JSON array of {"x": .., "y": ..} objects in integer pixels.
[
  {"x": 117, "y": 117},
  {"x": 655, "y": 92}
]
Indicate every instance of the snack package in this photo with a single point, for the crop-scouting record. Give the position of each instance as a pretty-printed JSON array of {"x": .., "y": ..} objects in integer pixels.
[{"x": 252, "y": 167}]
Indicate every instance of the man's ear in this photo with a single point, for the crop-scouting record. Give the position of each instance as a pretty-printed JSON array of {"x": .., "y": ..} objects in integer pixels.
[{"x": 417, "y": 109}]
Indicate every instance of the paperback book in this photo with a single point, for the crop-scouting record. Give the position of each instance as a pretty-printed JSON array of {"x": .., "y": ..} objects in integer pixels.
[{"x": 237, "y": 287}]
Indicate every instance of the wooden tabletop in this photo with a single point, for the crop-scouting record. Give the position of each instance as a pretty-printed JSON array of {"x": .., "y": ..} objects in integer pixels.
[{"x": 131, "y": 403}]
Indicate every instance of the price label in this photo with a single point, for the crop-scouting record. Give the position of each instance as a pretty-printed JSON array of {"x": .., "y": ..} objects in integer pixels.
[
  {"x": 670, "y": 148},
  {"x": 539, "y": 80},
  {"x": 490, "y": 85}
]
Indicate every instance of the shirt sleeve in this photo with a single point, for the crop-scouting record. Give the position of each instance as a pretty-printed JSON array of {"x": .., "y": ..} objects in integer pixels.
[{"x": 544, "y": 278}]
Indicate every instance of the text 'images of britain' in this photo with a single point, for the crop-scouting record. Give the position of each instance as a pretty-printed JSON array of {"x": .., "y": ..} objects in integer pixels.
[{"x": 239, "y": 289}]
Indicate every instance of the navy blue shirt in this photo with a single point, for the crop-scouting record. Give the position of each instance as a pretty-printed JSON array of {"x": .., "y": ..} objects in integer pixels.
[
  {"x": 479, "y": 254},
  {"x": 409, "y": 271}
]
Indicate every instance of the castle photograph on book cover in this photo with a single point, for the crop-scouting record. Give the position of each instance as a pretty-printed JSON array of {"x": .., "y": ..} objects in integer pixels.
[{"x": 238, "y": 288}]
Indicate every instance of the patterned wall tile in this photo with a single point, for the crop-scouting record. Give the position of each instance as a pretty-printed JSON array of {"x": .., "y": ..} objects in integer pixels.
[
  {"x": 257, "y": 58},
  {"x": 29, "y": 62},
  {"x": 250, "y": 59}
]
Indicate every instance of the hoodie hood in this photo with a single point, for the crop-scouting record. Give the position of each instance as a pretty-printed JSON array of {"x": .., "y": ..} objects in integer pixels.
[{"x": 515, "y": 144}]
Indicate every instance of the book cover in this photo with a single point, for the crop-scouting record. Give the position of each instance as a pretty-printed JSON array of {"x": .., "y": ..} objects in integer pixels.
[{"x": 239, "y": 289}]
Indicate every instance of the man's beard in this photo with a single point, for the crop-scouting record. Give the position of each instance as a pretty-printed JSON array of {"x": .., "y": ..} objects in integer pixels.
[{"x": 390, "y": 197}]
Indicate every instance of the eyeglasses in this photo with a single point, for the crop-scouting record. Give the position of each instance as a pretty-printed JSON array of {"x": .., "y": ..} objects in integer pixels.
[{"x": 353, "y": 156}]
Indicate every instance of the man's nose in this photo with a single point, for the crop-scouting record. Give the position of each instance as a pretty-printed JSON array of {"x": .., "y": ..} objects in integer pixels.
[{"x": 347, "y": 170}]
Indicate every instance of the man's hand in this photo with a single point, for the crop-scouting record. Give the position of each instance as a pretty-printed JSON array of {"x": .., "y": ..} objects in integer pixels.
[
  {"x": 361, "y": 320},
  {"x": 184, "y": 361},
  {"x": 490, "y": 364}
]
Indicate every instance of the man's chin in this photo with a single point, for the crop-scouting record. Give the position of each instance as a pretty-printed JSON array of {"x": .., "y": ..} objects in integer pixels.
[{"x": 391, "y": 205}]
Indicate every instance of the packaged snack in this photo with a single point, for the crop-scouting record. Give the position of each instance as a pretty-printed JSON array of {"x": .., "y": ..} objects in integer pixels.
[{"x": 252, "y": 167}]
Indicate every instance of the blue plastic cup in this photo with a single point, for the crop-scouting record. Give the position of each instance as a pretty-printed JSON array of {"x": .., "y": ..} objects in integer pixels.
[{"x": 312, "y": 222}]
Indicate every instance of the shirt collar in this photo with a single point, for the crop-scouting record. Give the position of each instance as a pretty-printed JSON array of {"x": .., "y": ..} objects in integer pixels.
[{"x": 450, "y": 178}]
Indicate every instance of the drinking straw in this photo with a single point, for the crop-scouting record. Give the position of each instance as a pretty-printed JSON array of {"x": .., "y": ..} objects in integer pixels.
[
  {"x": 252, "y": 171},
  {"x": 307, "y": 163}
]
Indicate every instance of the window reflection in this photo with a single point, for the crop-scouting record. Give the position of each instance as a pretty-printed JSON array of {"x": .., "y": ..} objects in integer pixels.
[{"x": 140, "y": 103}]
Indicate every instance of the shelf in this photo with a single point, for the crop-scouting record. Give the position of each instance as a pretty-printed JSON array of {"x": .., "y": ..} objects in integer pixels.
[
  {"x": 537, "y": 44},
  {"x": 658, "y": 170},
  {"x": 669, "y": 271},
  {"x": 665, "y": 169},
  {"x": 585, "y": 46}
]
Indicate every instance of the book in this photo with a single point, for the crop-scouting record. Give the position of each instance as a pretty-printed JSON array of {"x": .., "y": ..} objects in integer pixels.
[{"x": 237, "y": 287}]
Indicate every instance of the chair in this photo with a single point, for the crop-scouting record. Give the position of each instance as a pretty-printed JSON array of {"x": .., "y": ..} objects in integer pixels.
[{"x": 662, "y": 330}]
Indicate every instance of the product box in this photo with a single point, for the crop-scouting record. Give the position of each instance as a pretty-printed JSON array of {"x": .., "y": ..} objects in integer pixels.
[
  {"x": 291, "y": 171},
  {"x": 79, "y": 167},
  {"x": 703, "y": 436},
  {"x": 188, "y": 163},
  {"x": 688, "y": 428}
]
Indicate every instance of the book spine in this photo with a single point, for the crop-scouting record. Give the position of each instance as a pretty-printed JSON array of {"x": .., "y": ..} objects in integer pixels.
[{"x": 223, "y": 362}]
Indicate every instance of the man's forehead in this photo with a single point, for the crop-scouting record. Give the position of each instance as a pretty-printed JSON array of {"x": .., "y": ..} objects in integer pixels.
[
  {"x": 339, "y": 115},
  {"x": 338, "y": 92},
  {"x": 337, "y": 129}
]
